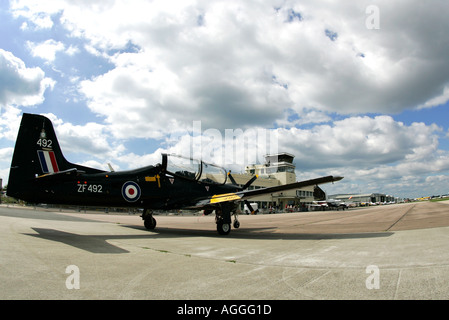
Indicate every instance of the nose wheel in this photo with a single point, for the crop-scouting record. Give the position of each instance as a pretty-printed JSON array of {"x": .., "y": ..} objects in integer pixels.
[
  {"x": 236, "y": 220},
  {"x": 150, "y": 223},
  {"x": 148, "y": 220}
]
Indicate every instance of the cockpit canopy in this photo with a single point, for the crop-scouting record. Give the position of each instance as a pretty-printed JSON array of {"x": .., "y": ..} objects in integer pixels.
[{"x": 195, "y": 169}]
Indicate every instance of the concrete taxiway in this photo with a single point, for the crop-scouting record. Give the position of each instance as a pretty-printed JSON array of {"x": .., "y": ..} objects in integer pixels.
[{"x": 384, "y": 252}]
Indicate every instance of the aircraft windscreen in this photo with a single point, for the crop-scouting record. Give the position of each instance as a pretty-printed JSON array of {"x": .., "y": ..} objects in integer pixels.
[
  {"x": 184, "y": 167},
  {"x": 195, "y": 169},
  {"x": 213, "y": 174}
]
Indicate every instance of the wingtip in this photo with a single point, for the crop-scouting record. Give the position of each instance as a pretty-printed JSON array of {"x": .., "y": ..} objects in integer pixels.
[{"x": 338, "y": 178}]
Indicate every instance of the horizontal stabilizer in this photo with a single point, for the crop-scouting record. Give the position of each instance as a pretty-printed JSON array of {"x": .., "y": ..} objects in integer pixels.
[{"x": 61, "y": 175}]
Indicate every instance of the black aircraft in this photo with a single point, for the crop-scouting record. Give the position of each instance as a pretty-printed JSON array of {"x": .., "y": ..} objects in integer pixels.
[{"x": 41, "y": 174}]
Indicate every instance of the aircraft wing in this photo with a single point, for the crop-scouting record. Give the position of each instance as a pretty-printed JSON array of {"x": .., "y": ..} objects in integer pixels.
[{"x": 248, "y": 194}]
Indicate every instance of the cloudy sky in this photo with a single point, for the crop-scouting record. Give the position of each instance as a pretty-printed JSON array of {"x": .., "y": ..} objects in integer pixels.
[{"x": 352, "y": 88}]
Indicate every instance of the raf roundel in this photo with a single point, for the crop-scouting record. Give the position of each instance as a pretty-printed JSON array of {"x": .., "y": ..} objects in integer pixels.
[{"x": 131, "y": 191}]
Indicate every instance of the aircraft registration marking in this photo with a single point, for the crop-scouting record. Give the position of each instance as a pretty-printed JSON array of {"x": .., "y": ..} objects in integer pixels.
[{"x": 94, "y": 188}]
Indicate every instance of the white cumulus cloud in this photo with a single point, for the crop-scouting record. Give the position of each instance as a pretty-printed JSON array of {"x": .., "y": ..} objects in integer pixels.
[
  {"x": 46, "y": 50},
  {"x": 246, "y": 63},
  {"x": 20, "y": 85}
]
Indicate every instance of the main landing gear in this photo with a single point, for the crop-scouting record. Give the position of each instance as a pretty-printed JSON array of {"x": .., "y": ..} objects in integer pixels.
[
  {"x": 148, "y": 220},
  {"x": 223, "y": 218}
]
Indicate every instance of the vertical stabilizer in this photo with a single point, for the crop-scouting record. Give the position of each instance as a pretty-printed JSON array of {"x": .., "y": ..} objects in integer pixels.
[{"x": 37, "y": 152}]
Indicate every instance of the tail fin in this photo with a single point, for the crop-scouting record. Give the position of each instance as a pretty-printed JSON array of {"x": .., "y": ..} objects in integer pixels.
[{"x": 37, "y": 152}]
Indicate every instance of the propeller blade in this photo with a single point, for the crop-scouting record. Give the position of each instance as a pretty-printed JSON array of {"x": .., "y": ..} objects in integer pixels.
[
  {"x": 250, "y": 182},
  {"x": 231, "y": 178},
  {"x": 248, "y": 205}
]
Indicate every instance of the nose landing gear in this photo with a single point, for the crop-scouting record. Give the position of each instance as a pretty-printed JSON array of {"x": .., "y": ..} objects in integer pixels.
[{"x": 148, "y": 220}]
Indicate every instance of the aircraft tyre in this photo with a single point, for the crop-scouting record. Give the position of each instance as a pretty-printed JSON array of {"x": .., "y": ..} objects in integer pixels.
[
  {"x": 223, "y": 228},
  {"x": 150, "y": 223},
  {"x": 236, "y": 224}
]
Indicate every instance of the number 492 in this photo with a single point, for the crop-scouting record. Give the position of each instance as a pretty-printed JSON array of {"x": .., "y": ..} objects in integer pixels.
[{"x": 45, "y": 143}]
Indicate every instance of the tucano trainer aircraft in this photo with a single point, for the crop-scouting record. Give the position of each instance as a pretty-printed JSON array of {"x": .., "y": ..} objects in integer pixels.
[{"x": 41, "y": 174}]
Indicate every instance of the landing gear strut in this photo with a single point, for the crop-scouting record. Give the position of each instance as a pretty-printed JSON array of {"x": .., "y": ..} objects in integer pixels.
[
  {"x": 223, "y": 219},
  {"x": 148, "y": 221}
]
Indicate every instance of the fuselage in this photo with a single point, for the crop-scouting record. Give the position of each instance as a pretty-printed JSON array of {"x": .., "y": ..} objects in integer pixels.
[{"x": 148, "y": 187}]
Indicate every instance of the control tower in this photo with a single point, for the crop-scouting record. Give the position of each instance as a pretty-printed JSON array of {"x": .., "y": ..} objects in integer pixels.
[{"x": 279, "y": 166}]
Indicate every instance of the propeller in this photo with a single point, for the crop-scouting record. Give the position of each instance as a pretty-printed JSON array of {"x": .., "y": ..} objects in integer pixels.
[{"x": 246, "y": 184}]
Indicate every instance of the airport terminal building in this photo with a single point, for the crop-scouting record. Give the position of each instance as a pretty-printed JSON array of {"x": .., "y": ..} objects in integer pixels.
[{"x": 278, "y": 170}]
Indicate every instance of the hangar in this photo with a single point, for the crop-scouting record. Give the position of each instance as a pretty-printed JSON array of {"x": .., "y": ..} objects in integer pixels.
[{"x": 364, "y": 199}]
